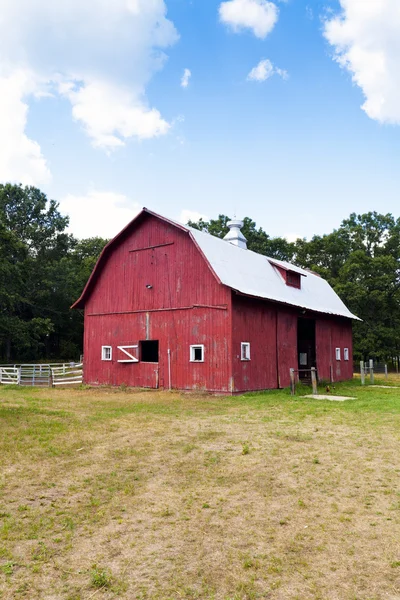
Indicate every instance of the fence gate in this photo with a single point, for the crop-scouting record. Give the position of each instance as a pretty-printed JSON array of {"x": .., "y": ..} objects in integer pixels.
[
  {"x": 67, "y": 374},
  {"x": 9, "y": 375},
  {"x": 38, "y": 375}
]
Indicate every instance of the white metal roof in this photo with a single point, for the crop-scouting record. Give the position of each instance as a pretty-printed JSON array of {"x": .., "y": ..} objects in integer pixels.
[{"x": 252, "y": 274}]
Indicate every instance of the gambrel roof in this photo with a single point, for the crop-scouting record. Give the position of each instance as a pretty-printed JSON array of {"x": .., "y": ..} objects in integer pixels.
[{"x": 247, "y": 272}]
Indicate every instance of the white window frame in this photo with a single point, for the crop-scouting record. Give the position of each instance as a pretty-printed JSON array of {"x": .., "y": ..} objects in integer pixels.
[
  {"x": 192, "y": 352},
  {"x": 246, "y": 347},
  {"x": 103, "y": 353},
  {"x": 130, "y": 359},
  {"x": 338, "y": 354},
  {"x": 346, "y": 354}
]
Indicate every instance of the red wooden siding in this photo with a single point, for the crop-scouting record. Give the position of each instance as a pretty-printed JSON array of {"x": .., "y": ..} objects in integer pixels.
[
  {"x": 178, "y": 274},
  {"x": 287, "y": 344},
  {"x": 184, "y": 306},
  {"x": 332, "y": 333},
  {"x": 254, "y": 321}
]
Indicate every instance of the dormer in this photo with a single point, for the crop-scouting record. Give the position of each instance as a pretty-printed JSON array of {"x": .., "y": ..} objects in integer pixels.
[{"x": 291, "y": 277}]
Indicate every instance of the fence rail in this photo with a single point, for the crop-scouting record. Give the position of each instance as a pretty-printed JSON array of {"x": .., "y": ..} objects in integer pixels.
[
  {"x": 67, "y": 375},
  {"x": 9, "y": 376},
  {"x": 43, "y": 375}
]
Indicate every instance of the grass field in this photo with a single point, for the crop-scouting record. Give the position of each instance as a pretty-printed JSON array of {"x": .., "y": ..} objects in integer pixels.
[{"x": 154, "y": 495}]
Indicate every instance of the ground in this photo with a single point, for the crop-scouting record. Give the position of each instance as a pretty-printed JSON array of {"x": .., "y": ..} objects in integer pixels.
[{"x": 153, "y": 495}]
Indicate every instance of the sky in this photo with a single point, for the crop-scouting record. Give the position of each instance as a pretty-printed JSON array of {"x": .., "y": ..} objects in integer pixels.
[{"x": 287, "y": 112}]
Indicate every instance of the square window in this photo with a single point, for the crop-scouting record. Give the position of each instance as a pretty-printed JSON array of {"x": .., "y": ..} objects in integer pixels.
[
  {"x": 245, "y": 351},
  {"x": 197, "y": 353},
  {"x": 149, "y": 351},
  {"x": 346, "y": 354},
  {"x": 106, "y": 353},
  {"x": 337, "y": 353},
  {"x": 293, "y": 279}
]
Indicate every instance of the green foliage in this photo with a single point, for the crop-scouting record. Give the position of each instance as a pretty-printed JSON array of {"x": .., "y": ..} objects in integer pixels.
[
  {"x": 100, "y": 578},
  {"x": 44, "y": 270}
]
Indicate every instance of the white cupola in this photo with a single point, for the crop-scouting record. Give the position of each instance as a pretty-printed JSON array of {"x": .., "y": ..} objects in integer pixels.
[{"x": 234, "y": 235}]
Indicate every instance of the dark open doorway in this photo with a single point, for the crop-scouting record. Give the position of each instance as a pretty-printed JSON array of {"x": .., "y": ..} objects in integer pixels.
[
  {"x": 306, "y": 347},
  {"x": 149, "y": 351}
]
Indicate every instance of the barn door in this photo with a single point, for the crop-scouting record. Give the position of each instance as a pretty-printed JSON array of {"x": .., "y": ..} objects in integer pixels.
[
  {"x": 149, "y": 363},
  {"x": 306, "y": 347}
]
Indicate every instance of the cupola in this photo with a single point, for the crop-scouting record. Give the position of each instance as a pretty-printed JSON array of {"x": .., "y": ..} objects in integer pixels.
[{"x": 234, "y": 235}]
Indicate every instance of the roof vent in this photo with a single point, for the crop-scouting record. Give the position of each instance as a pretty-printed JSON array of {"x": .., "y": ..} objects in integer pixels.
[{"x": 234, "y": 235}]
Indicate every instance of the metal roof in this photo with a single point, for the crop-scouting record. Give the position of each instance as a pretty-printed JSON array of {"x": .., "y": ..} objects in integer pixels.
[
  {"x": 242, "y": 270},
  {"x": 253, "y": 274}
]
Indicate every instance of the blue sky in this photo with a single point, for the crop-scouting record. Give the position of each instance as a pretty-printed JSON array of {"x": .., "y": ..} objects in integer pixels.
[{"x": 290, "y": 115}]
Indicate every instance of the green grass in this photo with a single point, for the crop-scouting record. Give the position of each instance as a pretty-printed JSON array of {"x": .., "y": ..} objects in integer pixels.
[{"x": 133, "y": 494}]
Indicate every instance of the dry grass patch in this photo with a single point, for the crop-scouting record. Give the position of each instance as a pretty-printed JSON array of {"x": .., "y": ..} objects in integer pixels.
[{"x": 142, "y": 495}]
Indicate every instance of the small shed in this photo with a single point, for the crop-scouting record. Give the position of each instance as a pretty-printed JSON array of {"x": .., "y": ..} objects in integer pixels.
[{"x": 170, "y": 306}]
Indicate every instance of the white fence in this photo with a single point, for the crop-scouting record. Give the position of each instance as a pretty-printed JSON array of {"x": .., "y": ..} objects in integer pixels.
[
  {"x": 67, "y": 374},
  {"x": 9, "y": 375},
  {"x": 42, "y": 375}
]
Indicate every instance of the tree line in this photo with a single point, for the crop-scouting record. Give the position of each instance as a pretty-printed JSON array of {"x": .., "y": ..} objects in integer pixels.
[{"x": 43, "y": 270}]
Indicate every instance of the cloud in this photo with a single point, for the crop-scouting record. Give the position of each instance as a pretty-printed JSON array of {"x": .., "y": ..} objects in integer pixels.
[
  {"x": 112, "y": 213},
  {"x": 191, "y": 215},
  {"x": 258, "y": 15},
  {"x": 21, "y": 159},
  {"x": 366, "y": 38},
  {"x": 264, "y": 70},
  {"x": 98, "y": 54},
  {"x": 110, "y": 114},
  {"x": 186, "y": 78}
]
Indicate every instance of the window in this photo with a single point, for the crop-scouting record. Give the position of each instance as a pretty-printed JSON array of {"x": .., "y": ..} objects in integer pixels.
[
  {"x": 197, "y": 353},
  {"x": 337, "y": 353},
  {"x": 149, "y": 351},
  {"x": 293, "y": 279},
  {"x": 346, "y": 354},
  {"x": 245, "y": 351},
  {"x": 106, "y": 353}
]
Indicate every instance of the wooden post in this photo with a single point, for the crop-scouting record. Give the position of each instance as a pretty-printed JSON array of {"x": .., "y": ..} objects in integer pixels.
[
  {"x": 386, "y": 372},
  {"x": 362, "y": 372},
  {"x": 331, "y": 372},
  {"x": 371, "y": 370},
  {"x": 292, "y": 383},
  {"x": 314, "y": 381}
]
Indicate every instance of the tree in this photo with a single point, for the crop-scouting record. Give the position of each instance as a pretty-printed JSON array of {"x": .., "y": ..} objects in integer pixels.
[{"x": 44, "y": 270}]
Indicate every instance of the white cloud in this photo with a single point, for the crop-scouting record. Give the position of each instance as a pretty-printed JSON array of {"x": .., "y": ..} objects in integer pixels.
[
  {"x": 111, "y": 113},
  {"x": 96, "y": 213},
  {"x": 258, "y": 15},
  {"x": 186, "y": 78},
  {"x": 21, "y": 160},
  {"x": 191, "y": 215},
  {"x": 366, "y": 38},
  {"x": 264, "y": 70},
  {"x": 98, "y": 54}
]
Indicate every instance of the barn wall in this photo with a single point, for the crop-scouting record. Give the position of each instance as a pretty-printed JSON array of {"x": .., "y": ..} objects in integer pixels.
[
  {"x": 271, "y": 330},
  {"x": 176, "y": 331},
  {"x": 186, "y": 305},
  {"x": 287, "y": 344},
  {"x": 254, "y": 321},
  {"x": 178, "y": 274},
  {"x": 332, "y": 333}
]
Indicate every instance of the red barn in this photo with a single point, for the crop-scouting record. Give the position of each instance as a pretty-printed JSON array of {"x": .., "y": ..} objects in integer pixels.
[{"x": 170, "y": 306}]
